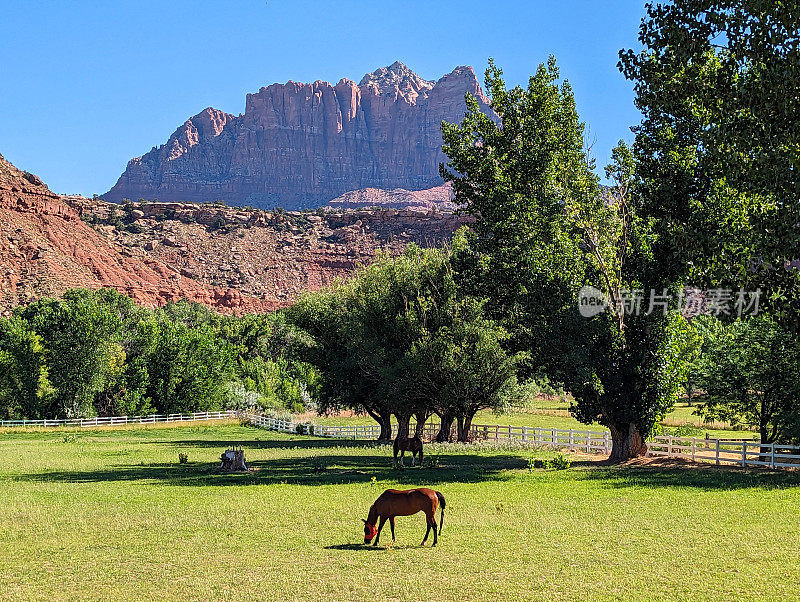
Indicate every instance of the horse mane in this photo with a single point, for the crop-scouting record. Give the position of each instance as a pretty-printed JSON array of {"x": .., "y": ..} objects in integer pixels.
[{"x": 372, "y": 517}]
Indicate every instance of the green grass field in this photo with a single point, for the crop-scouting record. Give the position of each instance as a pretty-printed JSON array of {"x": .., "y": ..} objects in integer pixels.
[{"x": 111, "y": 514}]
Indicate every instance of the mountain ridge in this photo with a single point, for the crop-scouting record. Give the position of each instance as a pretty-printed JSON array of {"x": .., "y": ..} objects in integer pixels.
[{"x": 300, "y": 145}]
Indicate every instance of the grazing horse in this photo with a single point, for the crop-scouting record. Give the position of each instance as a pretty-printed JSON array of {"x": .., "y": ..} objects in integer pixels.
[
  {"x": 393, "y": 503},
  {"x": 404, "y": 444}
]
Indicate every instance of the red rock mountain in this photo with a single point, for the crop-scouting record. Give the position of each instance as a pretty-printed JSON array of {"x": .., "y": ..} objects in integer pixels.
[{"x": 301, "y": 145}]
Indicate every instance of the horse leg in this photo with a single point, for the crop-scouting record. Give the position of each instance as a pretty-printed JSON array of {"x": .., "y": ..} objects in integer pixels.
[
  {"x": 380, "y": 526},
  {"x": 402, "y": 453},
  {"x": 391, "y": 524},
  {"x": 435, "y": 539},
  {"x": 413, "y": 458},
  {"x": 424, "y": 539}
]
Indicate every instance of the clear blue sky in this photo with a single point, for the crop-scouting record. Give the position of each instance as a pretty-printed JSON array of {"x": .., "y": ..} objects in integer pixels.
[{"x": 85, "y": 86}]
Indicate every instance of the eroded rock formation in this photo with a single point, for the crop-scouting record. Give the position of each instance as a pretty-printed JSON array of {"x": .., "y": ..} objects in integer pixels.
[{"x": 301, "y": 145}]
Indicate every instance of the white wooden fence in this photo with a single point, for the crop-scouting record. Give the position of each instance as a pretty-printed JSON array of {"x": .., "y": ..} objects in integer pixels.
[
  {"x": 719, "y": 451},
  {"x": 122, "y": 420},
  {"x": 726, "y": 451},
  {"x": 572, "y": 439}
]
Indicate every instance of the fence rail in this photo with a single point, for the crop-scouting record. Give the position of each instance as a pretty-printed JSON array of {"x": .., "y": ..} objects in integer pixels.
[
  {"x": 572, "y": 439},
  {"x": 122, "y": 420},
  {"x": 726, "y": 451},
  {"x": 720, "y": 451}
]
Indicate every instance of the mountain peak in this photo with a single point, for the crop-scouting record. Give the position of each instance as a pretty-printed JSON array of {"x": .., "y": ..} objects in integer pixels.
[{"x": 396, "y": 76}]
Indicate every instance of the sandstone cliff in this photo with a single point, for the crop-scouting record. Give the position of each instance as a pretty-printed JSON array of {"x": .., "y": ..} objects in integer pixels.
[
  {"x": 301, "y": 145},
  {"x": 438, "y": 198}
]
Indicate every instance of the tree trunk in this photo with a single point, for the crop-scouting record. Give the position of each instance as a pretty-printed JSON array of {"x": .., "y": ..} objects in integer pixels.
[
  {"x": 386, "y": 428},
  {"x": 444, "y": 430},
  {"x": 765, "y": 453},
  {"x": 403, "y": 425},
  {"x": 385, "y": 422},
  {"x": 627, "y": 443},
  {"x": 419, "y": 427},
  {"x": 463, "y": 425}
]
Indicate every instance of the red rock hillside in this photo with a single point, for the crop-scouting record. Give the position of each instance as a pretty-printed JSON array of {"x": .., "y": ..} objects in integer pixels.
[
  {"x": 230, "y": 258},
  {"x": 45, "y": 249}
]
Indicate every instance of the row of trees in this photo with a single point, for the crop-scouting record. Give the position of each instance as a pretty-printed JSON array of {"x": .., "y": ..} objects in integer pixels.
[
  {"x": 98, "y": 353},
  {"x": 400, "y": 338},
  {"x": 706, "y": 197}
]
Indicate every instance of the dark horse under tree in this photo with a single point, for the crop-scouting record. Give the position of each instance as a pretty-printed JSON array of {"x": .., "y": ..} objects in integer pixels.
[
  {"x": 404, "y": 444},
  {"x": 393, "y": 503}
]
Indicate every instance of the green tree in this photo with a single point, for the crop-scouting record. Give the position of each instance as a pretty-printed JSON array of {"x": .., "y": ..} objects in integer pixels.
[
  {"x": 749, "y": 373},
  {"x": 82, "y": 345},
  {"x": 462, "y": 367},
  {"x": 188, "y": 368},
  {"x": 397, "y": 340},
  {"x": 543, "y": 230},
  {"x": 25, "y": 389},
  {"x": 718, "y": 149}
]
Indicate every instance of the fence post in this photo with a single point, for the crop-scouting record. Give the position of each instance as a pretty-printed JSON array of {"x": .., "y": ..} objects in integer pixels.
[
  {"x": 772, "y": 456},
  {"x": 606, "y": 446},
  {"x": 571, "y": 440},
  {"x": 717, "y": 456},
  {"x": 694, "y": 447},
  {"x": 525, "y": 433},
  {"x": 669, "y": 446},
  {"x": 744, "y": 454}
]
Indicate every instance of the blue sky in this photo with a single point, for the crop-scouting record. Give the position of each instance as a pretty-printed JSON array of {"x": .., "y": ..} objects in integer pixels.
[{"x": 85, "y": 86}]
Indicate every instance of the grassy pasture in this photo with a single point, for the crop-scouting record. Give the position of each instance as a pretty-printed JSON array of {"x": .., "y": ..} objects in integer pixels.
[{"x": 111, "y": 514}]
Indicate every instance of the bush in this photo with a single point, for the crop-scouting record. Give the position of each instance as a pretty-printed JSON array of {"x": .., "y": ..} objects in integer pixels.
[
  {"x": 183, "y": 458},
  {"x": 304, "y": 428},
  {"x": 558, "y": 462}
]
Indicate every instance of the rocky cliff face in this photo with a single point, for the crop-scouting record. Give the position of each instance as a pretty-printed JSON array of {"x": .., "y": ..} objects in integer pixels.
[
  {"x": 45, "y": 249},
  {"x": 301, "y": 145}
]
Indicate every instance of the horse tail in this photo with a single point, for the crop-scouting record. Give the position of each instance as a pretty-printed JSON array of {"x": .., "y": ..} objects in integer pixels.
[{"x": 442, "y": 505}]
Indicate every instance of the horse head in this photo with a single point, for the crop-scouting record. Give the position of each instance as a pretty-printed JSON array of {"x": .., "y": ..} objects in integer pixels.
[{"x": 370, "y": 531}]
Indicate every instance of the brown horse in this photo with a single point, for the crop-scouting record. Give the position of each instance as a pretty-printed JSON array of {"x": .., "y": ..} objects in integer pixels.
[
  {"x": 393, "y": 503},
  {"x": 404, "y": 444}
]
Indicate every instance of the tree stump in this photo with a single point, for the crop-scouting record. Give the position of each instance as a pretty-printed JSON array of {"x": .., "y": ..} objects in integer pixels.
[{"x": 233, "y": 460}]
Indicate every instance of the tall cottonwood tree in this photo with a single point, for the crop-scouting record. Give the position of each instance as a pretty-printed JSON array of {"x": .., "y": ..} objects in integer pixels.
[
  {"x": 543, "y": 230},
  {"x": 718, "y": 149}
]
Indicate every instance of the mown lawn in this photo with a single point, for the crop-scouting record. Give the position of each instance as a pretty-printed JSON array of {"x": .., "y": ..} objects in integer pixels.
[{"x": 112, "y": 515}]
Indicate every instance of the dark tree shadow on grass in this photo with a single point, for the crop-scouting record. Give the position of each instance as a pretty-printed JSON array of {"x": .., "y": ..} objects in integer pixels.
[
  {"x": 333, "y": 465},
  {"x": 294, "y": 442},
  {"x": 331, "y": 462}
]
